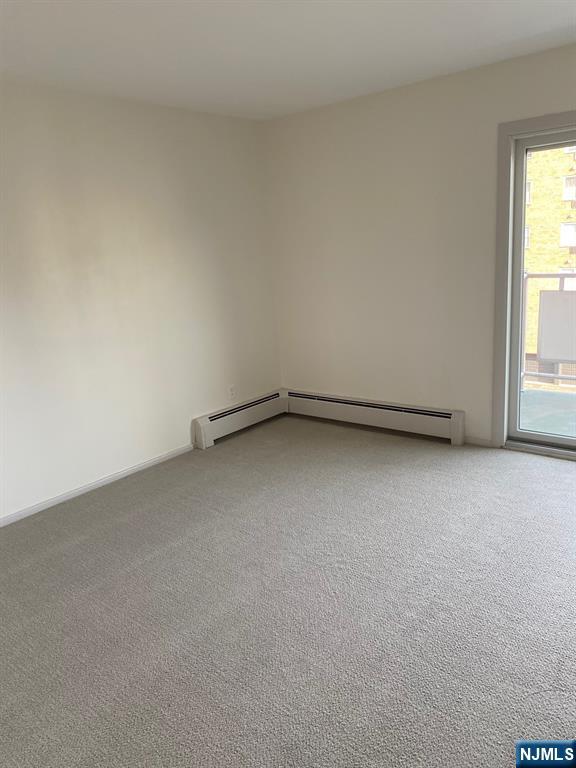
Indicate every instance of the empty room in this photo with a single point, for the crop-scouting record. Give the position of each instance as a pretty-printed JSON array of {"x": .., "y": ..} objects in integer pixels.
[{"x": 288, "y": 383}]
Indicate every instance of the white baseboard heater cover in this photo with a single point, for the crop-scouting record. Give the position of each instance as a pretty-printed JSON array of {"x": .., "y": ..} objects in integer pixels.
[
  {"x": 374, "y": 413},
  {"x": 436, "y": 422},
  {"x": 220, "y": 423}
]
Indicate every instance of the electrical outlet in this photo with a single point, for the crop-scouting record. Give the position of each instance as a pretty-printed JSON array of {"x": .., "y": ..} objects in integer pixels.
[{"x": 232, "y": 393}]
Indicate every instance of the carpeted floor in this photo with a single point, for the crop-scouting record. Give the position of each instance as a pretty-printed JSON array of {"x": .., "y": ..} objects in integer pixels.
[{"x": 304, "y": 594}]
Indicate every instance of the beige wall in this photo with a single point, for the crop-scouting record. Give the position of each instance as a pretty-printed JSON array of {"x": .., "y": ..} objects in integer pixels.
[
  {"x": 135, "y": 284},
  {"x": 385, "y": 234}
]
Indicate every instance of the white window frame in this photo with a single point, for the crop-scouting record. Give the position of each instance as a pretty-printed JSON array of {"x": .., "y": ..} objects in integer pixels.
[
  {"x": 563, "y": 227},
  {"x": 514, "y": 140},
  {"x": 569, "y": 189}
]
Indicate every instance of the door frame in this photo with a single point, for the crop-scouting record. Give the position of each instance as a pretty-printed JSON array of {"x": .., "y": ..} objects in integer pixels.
[{"x": 511, "y": 137}]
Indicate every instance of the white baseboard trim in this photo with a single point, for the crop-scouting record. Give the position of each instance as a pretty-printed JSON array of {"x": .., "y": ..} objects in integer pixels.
[
  {"x": 480, "y": 442},
  {"x": 12, "y": 517}
]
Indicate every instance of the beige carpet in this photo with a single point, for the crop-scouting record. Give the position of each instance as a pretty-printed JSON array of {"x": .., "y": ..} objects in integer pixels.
[{"x": 302, "y": 594}]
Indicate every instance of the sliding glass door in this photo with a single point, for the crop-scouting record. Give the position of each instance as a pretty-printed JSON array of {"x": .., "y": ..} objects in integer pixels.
[{"x": 542, "y": 390}]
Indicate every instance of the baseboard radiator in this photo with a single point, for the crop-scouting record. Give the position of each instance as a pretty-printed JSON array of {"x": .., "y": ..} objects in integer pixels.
[
  {"x": 373, "y": 413},
  {"x": 208, "y": 428},
  {"x": 436, "y": 422}
]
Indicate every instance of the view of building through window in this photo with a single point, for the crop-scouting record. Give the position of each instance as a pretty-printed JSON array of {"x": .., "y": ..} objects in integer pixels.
[{"x": 548, "y": 386}]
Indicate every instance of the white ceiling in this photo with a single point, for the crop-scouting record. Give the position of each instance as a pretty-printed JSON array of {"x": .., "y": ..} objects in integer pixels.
[{"x": 261, "y": 58}]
